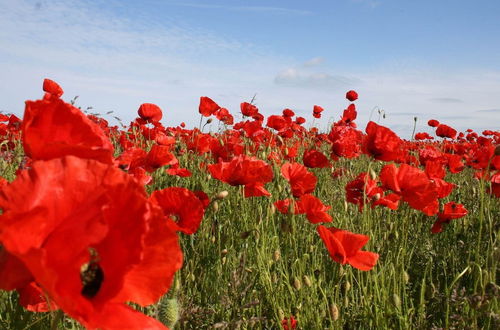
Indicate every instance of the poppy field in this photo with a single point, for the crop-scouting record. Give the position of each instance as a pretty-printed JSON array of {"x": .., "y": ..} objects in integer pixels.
[{"x": 266, "y": 223}]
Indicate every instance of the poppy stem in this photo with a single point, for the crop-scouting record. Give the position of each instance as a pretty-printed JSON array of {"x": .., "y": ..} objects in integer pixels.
[{"x": 57, "y": 319}]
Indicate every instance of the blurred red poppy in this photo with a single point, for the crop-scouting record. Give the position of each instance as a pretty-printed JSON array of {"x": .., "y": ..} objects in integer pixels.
[
  {"x": 315, "y": 159},
  {"x": 122, "y": 248},
  {"x": 52, "y": 89},
  {"x": 52, "y": 128},
  {"x": 317, "y": 110},
  {"x": 351, "y": 95}
]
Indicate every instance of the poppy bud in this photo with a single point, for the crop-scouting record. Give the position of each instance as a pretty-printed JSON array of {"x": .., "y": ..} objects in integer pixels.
[
  {"x": 276, "y": 255},
  {"x": 297, "y": 284},
  {"x": 245, "y": 234},
  {"x": 306, "y": 280},
  {"x": 281, "y": 315},
  {"x": 347, "y": 286},
  {"x": 334, "y": 312},
  {"x": 406, "y": 277},
  {"x": 373, "y": 175},
  {"x": 209, "y": 120},
  {"x": 224, "y": 252},
  {"x": 376, "y": 196},
  {"x": 396, "y": 301},
  {"x": 223, "y": 194},
  {"x": 272, "y": 209},
  {"x": 215, "y": 206},
  {"x": 223, "y": 260},
  {"x": 169, "y": 312},
  {"x": 213, "y": 239}
]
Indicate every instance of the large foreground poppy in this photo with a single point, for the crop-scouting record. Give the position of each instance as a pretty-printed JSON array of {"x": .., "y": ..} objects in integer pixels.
[{"x": 91, "y": 240}]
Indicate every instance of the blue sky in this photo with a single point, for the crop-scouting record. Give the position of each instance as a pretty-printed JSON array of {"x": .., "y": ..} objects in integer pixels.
[{"x": 430, "y": 59}]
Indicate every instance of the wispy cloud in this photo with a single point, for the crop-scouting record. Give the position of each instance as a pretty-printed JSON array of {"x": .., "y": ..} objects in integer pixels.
[
  {"x": 446, "y": 100},
  {"x": 370, "y": 3},
  {"x": 258, "y": 9},
  {"x": 315, "y": 61},
  {"x": 489, "y": 111},
  {"x": 296, "y": 78}
]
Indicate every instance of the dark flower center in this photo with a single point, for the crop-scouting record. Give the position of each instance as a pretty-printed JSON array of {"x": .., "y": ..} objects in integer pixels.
[{"x": 91, "y": 276}]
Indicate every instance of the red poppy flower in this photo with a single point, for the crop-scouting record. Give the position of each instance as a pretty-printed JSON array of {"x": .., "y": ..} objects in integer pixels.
[
  {"x": 315, "y": 159},
  {"x": 360, "y": 188},
  {"x": 412, "y": 184},
  {"x": 382, "y": 143},
  {"x": 346, "y": 141},
  {"x": 423, "y": 136},
  {"x": 207, "y": 106},
  {"x": 300, "y": 120},
  {"x": 250, "y": 172},
  {"x": 344, "y": 247},
  {"x": 317, "y": 110},
  {"x": 288, "y": 113},
  {"x": 351, "y": 95},
  {"x": 314, "y": 209},
  {"x": 52, "y": 88},
  {"x": 52, "y": 128},
  {"x": 276, "y": 122},
  {"x": 433, "y": 123},
  {"x": 349, "y": 114},
  {"x": 289, "y": 324},
  {"x": 34, "y": 299},
  {"x": 224, "y": 116},
  {"x": 446, "y": 131},
  {"x": 122, "y": 247},
  {"x": 150, "y": 112},
  {"x": 285, "y": 206},
  {"x": 451, "y": 211},
  {"x": 301, "y": 180},
  {"x": 181, "y": 204},
  {"x": 248, "y": 109}
]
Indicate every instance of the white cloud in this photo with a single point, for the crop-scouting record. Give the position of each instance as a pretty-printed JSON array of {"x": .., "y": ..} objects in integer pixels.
[
  {"x": 117, "y": 63},
  {"x": 315, "y": 61}
]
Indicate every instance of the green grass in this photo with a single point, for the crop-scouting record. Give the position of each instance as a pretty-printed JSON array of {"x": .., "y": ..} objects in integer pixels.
[{"x": 249, "y": 266}]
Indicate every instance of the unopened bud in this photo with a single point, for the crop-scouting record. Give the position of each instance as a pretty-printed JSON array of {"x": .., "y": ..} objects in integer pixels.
[
  {"x": 272, "y": 209},
  {"x": 396, "y": 301},
  {"x": 296, "y": 283},
  {"x": 245, "y": 234},
  {"x": 209, "y": 120},
  {"x": 306, "y": 280},
  {"x": 223, "y": 194},
  {"x": 215, "y": 206},
  {"x": 223, "y": 260},
  {"x": 223, "y": 252},
  {"x": 213, "y": 239},
  {"x": 276, "y": 255},
  {"x": 376, "y": 196},
  {"x": 406, "y": 277},
  {"x": 347, "y": 286},
  {"x": 373, "y": 175},
  {"x": 334, "y": 312}
]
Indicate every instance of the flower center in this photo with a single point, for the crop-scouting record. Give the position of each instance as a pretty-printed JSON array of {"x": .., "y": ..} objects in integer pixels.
[{"x": 91, "y": 276}]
